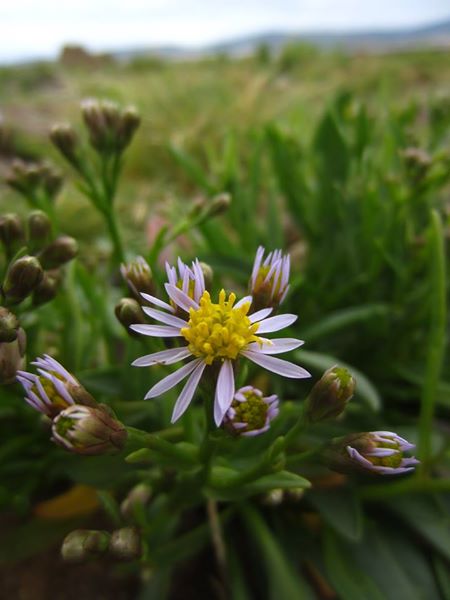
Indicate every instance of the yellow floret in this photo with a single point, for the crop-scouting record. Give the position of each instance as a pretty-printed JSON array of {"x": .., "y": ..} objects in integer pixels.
[{"x": 218, "y": 331}]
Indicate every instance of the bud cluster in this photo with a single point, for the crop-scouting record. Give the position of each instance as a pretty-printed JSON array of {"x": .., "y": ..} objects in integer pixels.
[
  {"x": 34, "y": 180},
  {"x": 111, "y": 128},
  {"x": 85, "y": 544},
  {"x": 38, "y": 273}
]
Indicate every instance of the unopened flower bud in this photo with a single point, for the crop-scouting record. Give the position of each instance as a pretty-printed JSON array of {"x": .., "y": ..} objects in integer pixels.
[
  {"x": 65, "y": 139},
  {"x": 250, "y": 413},
  {"x": 39, "y": 229},
  {"x": 54, "y": 389},
  {"x": 23, "y": 276},
  {"x": 59, "y": 252},
  {"x": 137, "y": 274},
  {"x": 9, "y": 325},
  {"x": 269, "y": 282},
  {"x": 219, "y": 204},
  {"x": 89, "y": 431},
  {"x": 12, "y": 357},
  {"x": 273, "y": 497},
  {"x": 48, "y": 288},
  {"x": 125, "y": 543},
  {"x": 129, "y": 122},
  {"x": 137, "y": 498},
  {"x": 11, "y": 232},
  {"x": 128, "y": 312},
  {"x": 52, "y": 181},
  {"x": 83, "y": 544},
  {"x": 330, "y": 395},
  {"x": 417, "y": 162},
  {"x": 378, "y": 452}
]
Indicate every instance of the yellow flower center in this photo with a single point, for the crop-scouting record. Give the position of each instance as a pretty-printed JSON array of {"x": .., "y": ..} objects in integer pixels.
[
  {"x": 218, "y": 331},
  {"x": 253, "y": 411},
  {"x": 56, "y": 400},
  {"x": 394, "y": 460}
]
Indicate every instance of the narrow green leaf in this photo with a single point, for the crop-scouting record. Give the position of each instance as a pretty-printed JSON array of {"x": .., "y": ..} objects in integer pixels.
[
  {"x": 284, "y": 582},
  {"x": 349, "y": 582},
  {"x": 344, "y": 318},
  {"x": 341, "y": 509},
  {"x": 436, "y": 337}
]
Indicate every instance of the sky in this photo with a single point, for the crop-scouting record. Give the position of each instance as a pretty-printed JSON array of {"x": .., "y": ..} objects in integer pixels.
[{"x": 38, "y": 28}]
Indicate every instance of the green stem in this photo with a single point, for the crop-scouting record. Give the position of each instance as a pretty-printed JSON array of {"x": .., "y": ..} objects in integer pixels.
[
  {"x": 298, "y": 428},
  {"x": 406, "y": 486},
  {"x": 436, "y": 339},
  {"x": 114, "y": 233}
]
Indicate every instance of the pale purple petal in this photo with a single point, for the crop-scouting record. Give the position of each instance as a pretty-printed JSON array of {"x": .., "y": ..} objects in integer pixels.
[
  {"x": 224, "y": 391},
  {"x": 165, "y": 357},
  {"x": 257, "y": 264},
  {"x": 187, "y": 393},
  {"x": 171, "y": 380},
  {"x": 276, "y": 365},
  {"x": 243, "y": 300},
  {"x": 260, "y": 314},
  {"x": 157, "y": 302},
  {"x": 163, "y": 317},
  {"x": 276, "y": 323},
  {"x": 180, "y": 298},
  {"x": 156, "y": 330},
  {"x": 276, "y": 346}
]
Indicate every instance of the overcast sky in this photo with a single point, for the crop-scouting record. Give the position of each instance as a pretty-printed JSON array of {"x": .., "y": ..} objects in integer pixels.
[{"x": 38, "y": 28}]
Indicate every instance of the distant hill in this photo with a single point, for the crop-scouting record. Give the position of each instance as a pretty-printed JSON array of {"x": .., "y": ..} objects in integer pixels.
[{"x": 436, "y": 35}]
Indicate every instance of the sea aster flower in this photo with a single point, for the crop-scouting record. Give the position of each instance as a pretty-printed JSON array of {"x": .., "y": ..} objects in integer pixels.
[
  {"x": 214, "y": 333},
  {"x": 382, "y": 452},
  {"x": 54, "y": 389},
  {"x": 269, "y": 282},
  {"x": 378, "y": 452},
  {"x": 250, "y": 412}
]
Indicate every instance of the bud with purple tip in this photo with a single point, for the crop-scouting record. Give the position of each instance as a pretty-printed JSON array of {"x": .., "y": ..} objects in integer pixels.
[
  {"x": 380, "y": 452},
  {"x": 269, "y": 282},
  {"x": 53, "y": 389}
]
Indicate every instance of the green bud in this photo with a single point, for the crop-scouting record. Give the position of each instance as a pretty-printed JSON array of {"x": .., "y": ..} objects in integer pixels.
[
  {"x": 330, "y": 395},
  {"x": 48, "y": 288},
  {"x": 59, "y": 252},
  {"x": 52, "y": 181},
  {"x": 83, "y": 544},
  {"x": 129, "y": 312},
  {"x": 138, "y": 276},
  {"x": 125, "y": 543},
  {"x": 22, "y": 278},
  {"x": 65, "y": 140},
  {"x": 9, "y": 324},
  {"x": 136, "y": 499},
  {"x": 11, "y": 232},
  {"x": 130, "y": 121},
  {"x": 219, "y": 204},
  {"x": 39, "y": 228},
  {"x": 12, "y": 357},
  {"x": 88, "y": 430}
]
